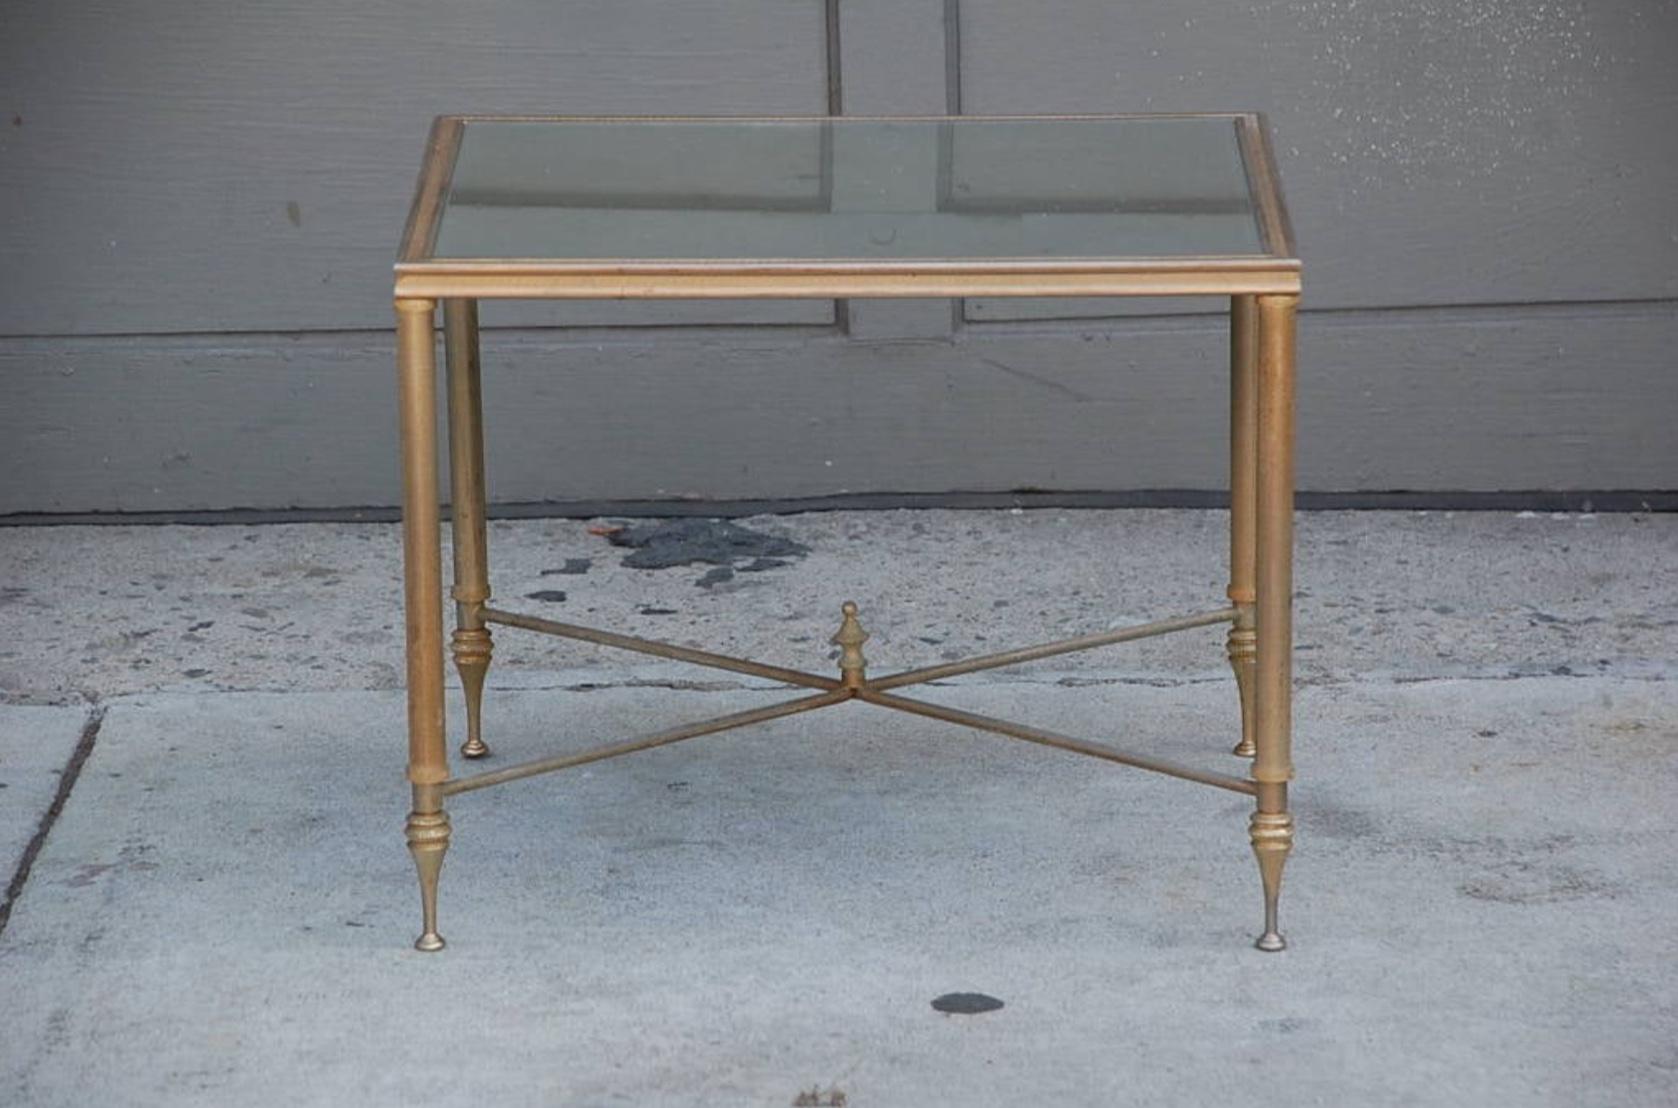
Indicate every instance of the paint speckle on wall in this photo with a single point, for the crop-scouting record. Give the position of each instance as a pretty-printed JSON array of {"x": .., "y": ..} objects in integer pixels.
[{"x": 1418, "y": 87}]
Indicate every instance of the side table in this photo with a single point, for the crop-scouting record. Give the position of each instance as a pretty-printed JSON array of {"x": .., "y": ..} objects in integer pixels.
[{"x": 672, "y": 208}]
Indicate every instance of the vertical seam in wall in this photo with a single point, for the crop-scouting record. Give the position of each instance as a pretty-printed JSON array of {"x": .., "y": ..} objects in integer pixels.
[
  {"x": 835, "y": 84},
  {"x": 952, "y": 57},
  {"x": 836, "y": 106},
  {"x": 952, "y": 106},
  {"x": 66, "y": 781}
]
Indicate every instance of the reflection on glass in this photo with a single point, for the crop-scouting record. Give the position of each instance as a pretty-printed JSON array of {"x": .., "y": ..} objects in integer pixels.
[{"x": 861, "y": 189}]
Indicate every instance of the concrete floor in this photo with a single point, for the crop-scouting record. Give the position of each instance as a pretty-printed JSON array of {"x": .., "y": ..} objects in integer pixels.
[{"x": 218, "y": 912}]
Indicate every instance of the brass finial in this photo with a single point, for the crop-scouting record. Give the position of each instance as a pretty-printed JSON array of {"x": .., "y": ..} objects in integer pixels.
[{"x": 849, "y": 639}]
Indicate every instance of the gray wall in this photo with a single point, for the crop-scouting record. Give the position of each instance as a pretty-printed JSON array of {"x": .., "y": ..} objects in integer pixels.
[{"x": 199, "y": 204}]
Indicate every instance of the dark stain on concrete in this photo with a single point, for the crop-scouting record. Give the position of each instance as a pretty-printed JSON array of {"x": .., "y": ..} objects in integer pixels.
[
  {"x": 1335, "y": 821},
  {"x": 1525, "y": 882},
  {"x": 131, "y": 858},
  {"x": 1286, "y": 1025},
  {"x": 965, "y": 1004},
  {"x": 86, "y": 875},
  {"x": 1523, "y": 871},
  {"x": 717, "y": 542}
]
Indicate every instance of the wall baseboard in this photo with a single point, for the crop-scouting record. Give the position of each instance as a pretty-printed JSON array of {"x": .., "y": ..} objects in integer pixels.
[{"x": 1528, "y": 500}]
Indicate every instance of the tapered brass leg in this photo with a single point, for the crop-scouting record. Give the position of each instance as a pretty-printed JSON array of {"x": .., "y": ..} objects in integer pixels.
[
  {"x": 1243, "y": 506},
  {"x": 471, "y": 643},
  {"x": 1272, "y": 826},
  {"x": 428, "y": 841},
  {"x": 428, "y": 758},
  {"x": 1272, "y": 835},
  {"x": 472, "y": 648}
]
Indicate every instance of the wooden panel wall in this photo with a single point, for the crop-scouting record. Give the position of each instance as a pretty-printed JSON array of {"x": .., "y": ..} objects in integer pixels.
[
  {"x": 199, "y": 203},
  {"x": 193, "y": 166}
]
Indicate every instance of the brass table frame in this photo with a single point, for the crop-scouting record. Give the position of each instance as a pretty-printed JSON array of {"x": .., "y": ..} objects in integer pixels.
[{"x": 1263, "y": 292}]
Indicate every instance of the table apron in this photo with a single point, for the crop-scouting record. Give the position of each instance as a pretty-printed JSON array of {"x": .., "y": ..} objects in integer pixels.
[{"x": 792, "y": 286}]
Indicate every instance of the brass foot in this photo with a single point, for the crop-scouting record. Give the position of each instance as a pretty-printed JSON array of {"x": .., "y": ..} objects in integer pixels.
[
  {"x": 472, "y": 649},
  {"x": 1272, "y": 835},
  {"x": 428, "y": 841},
  {"x": 1243, "y": 659},
  {"x": 849, "y": 639}
]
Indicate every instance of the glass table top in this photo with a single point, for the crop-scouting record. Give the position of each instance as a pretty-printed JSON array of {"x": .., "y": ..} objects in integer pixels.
[{"x": 869, "y": 190}]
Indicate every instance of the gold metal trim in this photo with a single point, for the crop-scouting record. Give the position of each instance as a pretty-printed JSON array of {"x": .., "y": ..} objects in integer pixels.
[
  {"x": 1049, "y": 650},
  {"x": 1057, "y": 740},
  {"x": 660, "y": 649},
  {"x": 1257, "y": 156},
  {"x": 1264, "y": 290},
  {"x": 849, "y": 639},
  {"x": 853, "y": 684},
  {"x": 1271, "y": 832},
  {"x": 419, "y": 273},
  {"x": 1242, "y": 644},
  {"x": 922, "y": 279},
  {"x": 1272, "y": 827},
  {"x": 419, "y": 235},
  {"x": 646, "y": 742},
  {"x": 935, "y": 117},
  {"x": 416, "y": 353},
  {"x": 472, "y": 645},
  {"x": 427, "y": 833},
  {"x": 1272, "y": 760},
  {"x": 859, "y": 267}
]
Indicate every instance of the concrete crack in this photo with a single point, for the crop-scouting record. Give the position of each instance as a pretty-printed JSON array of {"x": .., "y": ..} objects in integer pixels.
[{"x": 66, "y": 782}]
